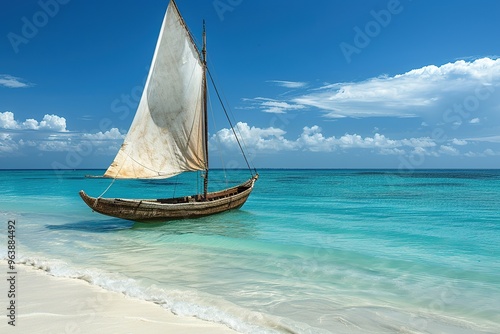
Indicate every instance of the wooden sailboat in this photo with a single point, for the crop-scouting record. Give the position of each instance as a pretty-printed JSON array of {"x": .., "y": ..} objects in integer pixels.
[{"x": 169, "y": 134}]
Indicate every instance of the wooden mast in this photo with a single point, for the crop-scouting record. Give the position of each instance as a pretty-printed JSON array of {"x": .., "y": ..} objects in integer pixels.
[{"x": 205, "y": 113}]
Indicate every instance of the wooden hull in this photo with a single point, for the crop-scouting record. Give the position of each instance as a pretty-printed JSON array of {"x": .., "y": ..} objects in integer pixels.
[{"x": 154, "y": 210}]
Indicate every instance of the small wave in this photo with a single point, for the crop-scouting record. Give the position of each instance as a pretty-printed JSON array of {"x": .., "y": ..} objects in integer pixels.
[{"x": 180, "y": 302}]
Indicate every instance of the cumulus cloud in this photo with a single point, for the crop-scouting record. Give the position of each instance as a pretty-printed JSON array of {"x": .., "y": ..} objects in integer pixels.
[
  {"x": 449, "y": 150},
  {"x": 53, "y": 123},
  {"x": 30, "y": 124},
  {"x": 7, "y": 121},
  {"x": 107, "y": 143},
  {"x": 113, "y": 134},
  {"x": 452, "y": 105},
  {"x": 49, "y": 123},
  {"x": 312, "y": 139},
  {"x": 10, "y": 81},
  {"x": 459, "y": 142},
  {"x": 253, "y": 137},
  {"x": 50, "y": 135}
]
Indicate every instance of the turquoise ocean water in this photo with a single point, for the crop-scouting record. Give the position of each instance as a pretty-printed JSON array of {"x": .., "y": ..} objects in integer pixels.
[{"x": 312, "y": 251}]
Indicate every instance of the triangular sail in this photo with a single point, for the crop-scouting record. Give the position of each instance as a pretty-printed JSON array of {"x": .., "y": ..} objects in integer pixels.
[{"x": 167, "y": 134}]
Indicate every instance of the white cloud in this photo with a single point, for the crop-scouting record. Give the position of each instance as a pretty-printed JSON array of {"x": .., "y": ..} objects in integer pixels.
[
  {"x": 49, "y": 122},
  {"x": 459, "y": 142},
  {"x": 446, "y": 97},
  {"x": 489, "y": 139},
  {"x": 255, "y": 138},
  {"x": 113, "y": 134},
  {"x": 418, "y": 142},
  {"x": 57, "y": 145},
  {"x": 312, "y": 139},
  {"x": 7, "y": 144},
  {"x": 277, "y": 107},
  {"x": 449, "y": 150},
  {"x": 107, "y": 142},
  {"x": 486, "y": 153},
  {"x": 490, "y": 152},
  {"x": 27, "y": 143},
  {"x": 272, "y": 106},
  {"x": 419, "y": 92},
  {"x": 289, "y": 84},
  {"x": 51, "y": 135},
  {"x": 13, "y": 82},
  {"x": 30, "y": 124},
  {"x": 53, "y": 123},
  {"x": 420, "y": 151},
  {"x": 7, "y": 121},
  {"x": 392, "y": 151}
]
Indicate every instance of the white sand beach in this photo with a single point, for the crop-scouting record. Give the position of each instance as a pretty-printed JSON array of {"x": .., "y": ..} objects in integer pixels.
[{"x": 48, "y": 304}]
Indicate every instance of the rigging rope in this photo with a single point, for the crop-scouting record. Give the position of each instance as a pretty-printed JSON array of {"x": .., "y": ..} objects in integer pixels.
[
  {"x": 229, "y": 120},
  {"x": 217, "y": 140},
  {"x": 105, "y": 191}
]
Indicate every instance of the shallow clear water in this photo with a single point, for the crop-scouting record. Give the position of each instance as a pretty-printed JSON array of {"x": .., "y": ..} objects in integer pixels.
[{"x": 312, "y": 251}]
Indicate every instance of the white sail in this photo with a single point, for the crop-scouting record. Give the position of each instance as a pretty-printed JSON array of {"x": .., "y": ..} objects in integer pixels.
[{"x": 167, "y": 134}]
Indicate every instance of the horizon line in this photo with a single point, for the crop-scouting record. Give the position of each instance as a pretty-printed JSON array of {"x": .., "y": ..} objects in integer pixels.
[{"x": 267, "y": 168}]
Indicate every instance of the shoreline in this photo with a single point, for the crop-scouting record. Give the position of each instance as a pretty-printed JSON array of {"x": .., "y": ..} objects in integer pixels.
[{"x": 49, "y": 304}]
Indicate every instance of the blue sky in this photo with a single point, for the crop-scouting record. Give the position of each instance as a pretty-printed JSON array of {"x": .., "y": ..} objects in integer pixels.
[{"x": 324, "y": 84}]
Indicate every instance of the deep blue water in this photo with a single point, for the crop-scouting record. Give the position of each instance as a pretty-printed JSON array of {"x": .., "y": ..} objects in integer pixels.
[{"x": 312, "y": 251}]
